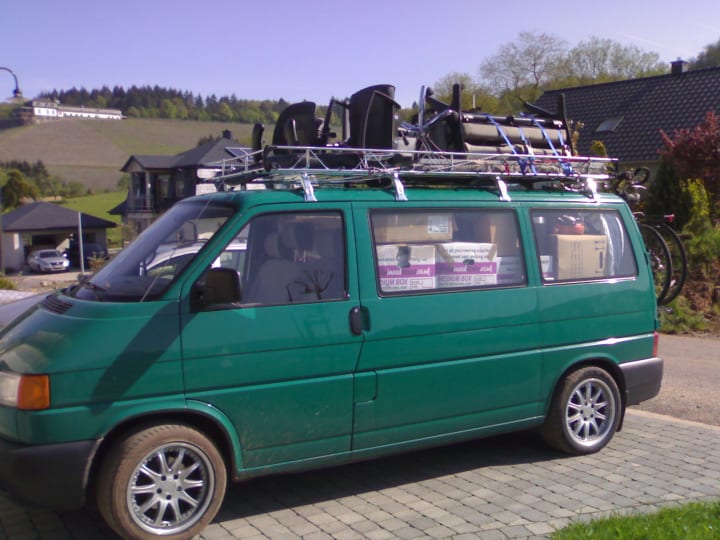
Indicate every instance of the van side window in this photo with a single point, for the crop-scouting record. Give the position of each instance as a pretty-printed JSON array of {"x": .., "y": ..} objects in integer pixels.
[
  {"x": 426, "y": 250},
  {"x": 582, "y": 245},
  {"x": 294, "y": 257}
]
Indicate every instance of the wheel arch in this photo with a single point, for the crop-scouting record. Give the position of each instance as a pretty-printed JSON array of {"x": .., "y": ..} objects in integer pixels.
[
  {"x": 210, "y": 422},
  {"x": 603, "y": 362}
]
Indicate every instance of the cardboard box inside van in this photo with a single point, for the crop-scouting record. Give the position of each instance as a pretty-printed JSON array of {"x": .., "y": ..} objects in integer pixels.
[
  {"x": 464, "y": 264},
  {"x": 405, "y": 267},
  {"x": 580, "y": 255},
  {"x": 422, "y": 227},
  {"x": 499, "y": 229}
]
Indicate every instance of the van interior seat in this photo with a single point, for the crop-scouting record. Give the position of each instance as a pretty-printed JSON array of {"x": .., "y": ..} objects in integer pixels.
[
  {"x": 274, "y": 279},
  {"x": 328, "y": 275}
]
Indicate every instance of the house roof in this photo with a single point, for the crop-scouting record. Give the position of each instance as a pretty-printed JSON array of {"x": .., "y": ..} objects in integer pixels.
[
  {"x": 45, "y": 216},
  {"x": 205, "y": 154},
  {"x": 151, "y": 162},
  {"x": 631, "y": 113},
  {"x": 120, "y": 209}
]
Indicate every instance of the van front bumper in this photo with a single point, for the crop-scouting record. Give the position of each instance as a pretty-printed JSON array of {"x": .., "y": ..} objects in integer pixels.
[
  {"x": 643, "y": 379},
  {"x": 49, "y": 475}
]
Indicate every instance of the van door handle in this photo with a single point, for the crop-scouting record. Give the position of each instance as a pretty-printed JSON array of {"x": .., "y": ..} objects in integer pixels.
[{"x": 356, "y": 320}]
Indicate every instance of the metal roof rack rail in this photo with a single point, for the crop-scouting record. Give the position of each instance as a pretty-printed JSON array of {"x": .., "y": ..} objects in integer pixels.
[{"x": 323, "y": 166}]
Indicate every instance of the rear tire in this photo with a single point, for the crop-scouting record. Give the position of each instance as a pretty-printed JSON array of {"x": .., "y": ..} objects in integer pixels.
[
  {"x": 660, "y": 260},
  {"x": 161, "y": 481},
  {"x": 585, "y": 412}
]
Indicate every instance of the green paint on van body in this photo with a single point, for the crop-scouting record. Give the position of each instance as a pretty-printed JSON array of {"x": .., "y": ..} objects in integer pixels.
[{"x": 287, "y": 385}]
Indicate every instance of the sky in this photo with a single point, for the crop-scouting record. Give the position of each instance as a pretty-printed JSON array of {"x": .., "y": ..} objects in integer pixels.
[{"x": 311, "y": 49}]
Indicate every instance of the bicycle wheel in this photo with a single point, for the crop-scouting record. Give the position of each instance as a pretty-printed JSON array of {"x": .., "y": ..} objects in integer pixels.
[
  {"x": 678, "y": 256},
  {"x": 660, "y": 260}
]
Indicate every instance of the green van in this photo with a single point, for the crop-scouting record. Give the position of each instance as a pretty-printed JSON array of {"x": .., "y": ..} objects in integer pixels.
[{"x": 258, "y": 331}]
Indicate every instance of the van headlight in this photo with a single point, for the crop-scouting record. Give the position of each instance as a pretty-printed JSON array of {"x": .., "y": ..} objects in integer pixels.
[{"x": 26, "y": 392}]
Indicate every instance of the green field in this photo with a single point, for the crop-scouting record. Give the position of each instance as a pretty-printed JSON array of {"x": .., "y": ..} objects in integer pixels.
[
  {"x": 92, "y": 152},
  {"x": 99, "y": 205}
]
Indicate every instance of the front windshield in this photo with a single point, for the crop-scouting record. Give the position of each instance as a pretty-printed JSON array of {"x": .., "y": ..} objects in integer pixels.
[{"x": 146, "y": 268}]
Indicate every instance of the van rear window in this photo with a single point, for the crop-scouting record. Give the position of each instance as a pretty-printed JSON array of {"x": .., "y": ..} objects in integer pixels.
[
  {"x": 427, "y": 250},
  {"x": 581, "y": 245}
]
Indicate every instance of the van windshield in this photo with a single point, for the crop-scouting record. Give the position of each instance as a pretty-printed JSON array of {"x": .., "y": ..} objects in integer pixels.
[{"x": 149, "y": 265}]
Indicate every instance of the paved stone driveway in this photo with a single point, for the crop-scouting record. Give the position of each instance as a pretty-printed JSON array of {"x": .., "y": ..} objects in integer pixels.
[{"x": 504, "y": 487}]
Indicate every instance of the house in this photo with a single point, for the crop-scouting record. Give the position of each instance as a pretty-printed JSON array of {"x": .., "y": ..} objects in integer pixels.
[
  {"x": 38, "y": 111},
  {"x": 158, "y": 182},
  {"x": 45, "y": 225},
  {"x": 627, "y": 116}
]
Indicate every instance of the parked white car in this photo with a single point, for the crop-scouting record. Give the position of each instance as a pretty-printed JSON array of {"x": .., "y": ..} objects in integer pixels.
[{"x": 48, "y": 260}]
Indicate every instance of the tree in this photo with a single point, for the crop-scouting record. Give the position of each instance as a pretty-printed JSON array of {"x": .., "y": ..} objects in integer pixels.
[
  {"x": 124, "y": 182},
  {"x": 710, "y": 57},
  {"x": 74, "y": 189},
  {"x": 473, "y": 96},
  {"x": 603, "y": 60},
  {"x": 168, "y": 108},
  {"x": 17, "y": 190},
  {"x": 522, "y": 68},
  {"x": 667, "y": 194},
  {"x": 224, "y": 112},
  {"x": 695, "y": 153}
]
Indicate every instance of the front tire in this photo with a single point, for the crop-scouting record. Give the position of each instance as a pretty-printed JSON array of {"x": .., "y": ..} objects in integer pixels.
[
  {"x": 165, "y": 480},
  {"x": 585, "y": 412}
]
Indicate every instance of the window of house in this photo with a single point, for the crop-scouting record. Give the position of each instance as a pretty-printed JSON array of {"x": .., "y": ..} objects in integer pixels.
[
  {"x": 609, "y": 125},
  {"x": 582, "y": 245},
  {"x": 430, "y": 250}
]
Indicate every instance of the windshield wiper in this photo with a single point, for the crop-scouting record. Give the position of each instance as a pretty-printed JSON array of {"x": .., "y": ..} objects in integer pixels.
[{"x": 94, "y": 287}]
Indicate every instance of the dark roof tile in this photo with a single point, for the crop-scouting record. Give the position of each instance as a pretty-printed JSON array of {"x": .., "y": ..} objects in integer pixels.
[
  {"x": 646, "y": 105},
  {"x": 209, "y": 153}
]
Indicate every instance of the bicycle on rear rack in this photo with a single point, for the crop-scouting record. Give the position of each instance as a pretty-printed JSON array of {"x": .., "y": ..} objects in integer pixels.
[{"x": 668, "y": 257}]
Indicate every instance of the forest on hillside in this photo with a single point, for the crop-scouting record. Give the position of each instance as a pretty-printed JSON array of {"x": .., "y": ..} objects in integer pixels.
[{"x": 158, "y": 102}]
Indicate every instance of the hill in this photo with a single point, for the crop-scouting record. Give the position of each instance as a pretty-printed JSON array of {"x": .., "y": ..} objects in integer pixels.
[{"x": 93, "y": 151}]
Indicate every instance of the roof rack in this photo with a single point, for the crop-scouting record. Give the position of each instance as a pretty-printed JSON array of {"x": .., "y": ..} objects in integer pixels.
[
  {"x": 452, "y": 148},
  {"x": 327, "y": 166}
]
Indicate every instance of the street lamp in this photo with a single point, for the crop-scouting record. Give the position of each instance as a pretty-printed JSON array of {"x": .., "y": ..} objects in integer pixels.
[{"x": 17, "y": 94}]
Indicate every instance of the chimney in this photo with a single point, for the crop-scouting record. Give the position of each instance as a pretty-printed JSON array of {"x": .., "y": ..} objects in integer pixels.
[
  {"x": 678, "y": 67},
  {"x": 227, "y": 134}
]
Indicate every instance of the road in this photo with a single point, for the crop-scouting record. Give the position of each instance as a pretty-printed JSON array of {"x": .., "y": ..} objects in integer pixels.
[{"x": 691, "y": 379}]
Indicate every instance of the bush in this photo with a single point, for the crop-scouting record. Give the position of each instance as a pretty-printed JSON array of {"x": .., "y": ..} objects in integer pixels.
[
  {"x": 703, "y": 250},
  {"x": 7, "y": 284},
  {"x": 679, "y": 318},
  {"x": 666, "y": 194}
]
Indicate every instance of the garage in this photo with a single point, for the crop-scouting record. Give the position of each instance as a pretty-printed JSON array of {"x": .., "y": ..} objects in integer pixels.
[{"x": 46, "y": 225}]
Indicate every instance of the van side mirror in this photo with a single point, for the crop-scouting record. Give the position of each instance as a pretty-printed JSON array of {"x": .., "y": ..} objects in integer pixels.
[{"x": 218, "y": 288}]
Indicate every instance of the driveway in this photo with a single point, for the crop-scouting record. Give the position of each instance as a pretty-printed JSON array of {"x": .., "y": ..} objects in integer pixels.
[{"x": 499, "y": 488}]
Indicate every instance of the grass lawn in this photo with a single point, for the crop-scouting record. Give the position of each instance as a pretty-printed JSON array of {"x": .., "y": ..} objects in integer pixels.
[{"x": 694, "y": 521}]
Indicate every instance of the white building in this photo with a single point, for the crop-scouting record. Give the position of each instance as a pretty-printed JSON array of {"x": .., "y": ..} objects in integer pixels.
[{"x": 52, "y": 110}]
